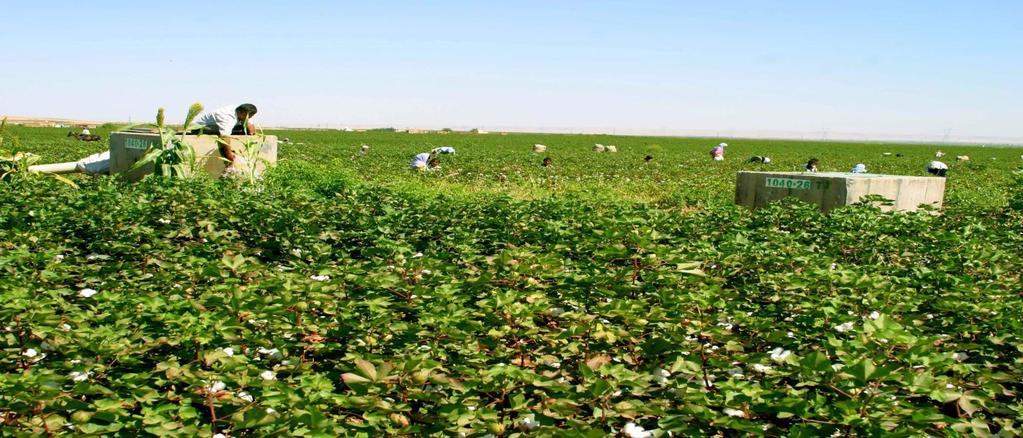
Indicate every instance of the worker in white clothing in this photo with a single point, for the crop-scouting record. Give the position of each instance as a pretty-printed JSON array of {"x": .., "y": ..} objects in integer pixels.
[
  {"x": 224, "y": 122},
  {"x": 937, "y": 168},
  {"x": 425, "y": 161}
]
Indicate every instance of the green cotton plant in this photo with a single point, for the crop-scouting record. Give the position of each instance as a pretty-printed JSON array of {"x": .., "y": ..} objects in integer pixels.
[
  {"x": 251, "y": 157},
  {"x": 19, "y": 163},
  {"x": 173, "y": 156},
  {"x": 347, "y": 298}
]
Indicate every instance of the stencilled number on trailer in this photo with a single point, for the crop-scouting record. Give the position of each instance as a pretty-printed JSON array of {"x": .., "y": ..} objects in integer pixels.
[
  {"x": 136, "y": 143},
  {"x": 788, "y": 183}
]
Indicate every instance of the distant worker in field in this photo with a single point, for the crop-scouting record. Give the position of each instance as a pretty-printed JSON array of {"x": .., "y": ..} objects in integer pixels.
[
  {"x": 425, "y": 161},
  {"x": 85, "y": 131},
  {"x": 811, "y": 166},
  {"x": 443, "y": 150},
  {"x": 760, "y": 160},
  {"x": 937, "y": 168},
  {"x": 718, "y": 153},
  {"x": 546, "y": 162},
  {"x": 648, "y": 158},
  {"x": 859, "y": 168},
  {"x": 226, "y": 121}
]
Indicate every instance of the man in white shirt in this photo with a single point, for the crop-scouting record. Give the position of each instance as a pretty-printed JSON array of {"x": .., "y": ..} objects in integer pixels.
[{"x": 224, "y": 122}]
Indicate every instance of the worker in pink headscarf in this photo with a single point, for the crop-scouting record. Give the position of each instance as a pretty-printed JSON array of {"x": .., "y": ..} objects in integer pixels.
[{"x": 718, "y": 153}]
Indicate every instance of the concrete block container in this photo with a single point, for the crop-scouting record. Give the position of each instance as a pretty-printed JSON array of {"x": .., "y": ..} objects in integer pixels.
[
  {"x": 127, "y": 147},
  {"x": 834, "y": 189}
]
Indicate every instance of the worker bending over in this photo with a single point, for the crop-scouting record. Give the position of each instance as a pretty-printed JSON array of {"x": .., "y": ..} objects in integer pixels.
[
  {"x": 225, "y": 122},
  {"x": 937, "y": 168}
]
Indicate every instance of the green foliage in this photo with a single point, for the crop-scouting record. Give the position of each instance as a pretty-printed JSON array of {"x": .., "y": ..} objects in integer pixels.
[
  {"x": 173, "y": 157},
  {"x": 332, "y": 301}
]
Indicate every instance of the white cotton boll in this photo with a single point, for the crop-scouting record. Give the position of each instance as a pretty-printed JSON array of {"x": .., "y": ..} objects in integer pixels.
[
  {"x": 736, "y": 372},
  {"x": 272, "y": 352},
  {"x": 734, "y": 413},
  {"x": 427, "y": 271},
  {"x": 320, "y": 277},
  {"x": 229, "y": 351},
  {"x": 271, "y": 411},
  {"x": 216, "y": 386},
  {"x": 661, "y": 376},
  {"x": 246, "y": 396},
  {"x": 529, "y": 422},
  {"x": 65, "y": 327},
  {"x": 417, "y": 255},
  {"x": 163, "y": 221},
  {"x": 845, "y": 327},
  {"x": 30, "y": 353},
  {"x": 58, "y": 257},
  {"x": 959, "y": 357},
  {"x": 92, "y": 257},
  {"x": 79, "y": 376},
  {"x": 86, "y": 293},
  {"x": 780, "y": 355},
  {"x": 219, "y": 435},
  {"x": 762, "y": 368},
  {"x": 875, "y": 315},
  {"x": 268, "y": 375},
  {"x": 631, "y": 430}
]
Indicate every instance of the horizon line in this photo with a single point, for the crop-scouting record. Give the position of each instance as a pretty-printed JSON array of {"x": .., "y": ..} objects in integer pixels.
[{"x": 750, "y": 134}]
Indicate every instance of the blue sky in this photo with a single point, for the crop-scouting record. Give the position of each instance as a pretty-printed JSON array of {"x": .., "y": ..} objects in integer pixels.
[{"x": 902, "y": 67}]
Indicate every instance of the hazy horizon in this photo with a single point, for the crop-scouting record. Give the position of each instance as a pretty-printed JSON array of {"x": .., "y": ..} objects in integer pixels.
[{"x": 917, "y": 71}]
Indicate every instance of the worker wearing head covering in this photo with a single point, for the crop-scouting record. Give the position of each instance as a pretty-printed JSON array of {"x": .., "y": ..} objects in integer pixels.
[
  {"x": 937, "y": 168},
  {"x": 424, "y": 161},
  {"x": 811, "y": 166},
  {"x": 718, "y": 153},
  {"x": 859, "y": 168}
]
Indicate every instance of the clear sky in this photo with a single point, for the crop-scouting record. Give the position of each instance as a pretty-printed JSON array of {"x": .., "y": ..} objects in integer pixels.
[{"x": 870, "y": 67}]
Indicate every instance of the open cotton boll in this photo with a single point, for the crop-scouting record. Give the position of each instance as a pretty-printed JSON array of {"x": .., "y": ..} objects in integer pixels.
[
  {"x": 780, "y": 355},
  {"x": 529, "y": 422},
  {"x": 79, "y": 376},
  {"x": 734, "y": 413},
  {"x": 631, "y": 430},
  {"x": 842, "y": 328}
]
